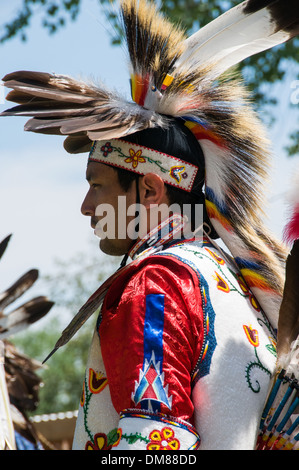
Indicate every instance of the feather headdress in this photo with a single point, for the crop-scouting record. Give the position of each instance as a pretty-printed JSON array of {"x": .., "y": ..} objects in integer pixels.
[
  {"x": 26, "y": 314},
  {"x": 175, "y": 77},
  {"x": 18, "y": 380}
]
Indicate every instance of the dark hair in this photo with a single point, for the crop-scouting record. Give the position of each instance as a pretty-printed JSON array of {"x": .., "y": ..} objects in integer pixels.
[
  {"x": 176, "y": 140},
  {"x": 125, "y": 178},
  {"x": 175, "y": 196}
]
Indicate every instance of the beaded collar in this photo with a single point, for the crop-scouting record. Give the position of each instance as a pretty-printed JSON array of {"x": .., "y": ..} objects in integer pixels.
[{"x": 167, "y": 232}]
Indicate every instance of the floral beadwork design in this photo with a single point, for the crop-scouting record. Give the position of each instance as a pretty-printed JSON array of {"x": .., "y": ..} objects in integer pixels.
[
  {"x": 103, "y": 441},
  {"x": 225, "y": 283},
  {"x": 135, "y": 158},
  {"x": 132, "y": 438},
  {"x": 254, "y": 303},
  {"x": 221, "y": 283},
  {"x": 242, "y": 284},
  {"x": 272, "y": 348},
  {"x": 141, "y": 159},
  {"x": 93, "y": 384},
  {"x": 82, "y": 398},
  {"x": 215, "y": 257},
  {"x": 252, "y": 335},
  {"x": 96, "y": 381},
  {"x": 253, "y": 338},
  {"x": 163, "y": 440},
  {"x": 106, "y": 149},
  {"x": 178, "y": 172}
]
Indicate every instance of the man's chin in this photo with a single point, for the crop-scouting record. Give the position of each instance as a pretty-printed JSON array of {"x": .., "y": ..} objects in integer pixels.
[{"x": 109, "y": 247}]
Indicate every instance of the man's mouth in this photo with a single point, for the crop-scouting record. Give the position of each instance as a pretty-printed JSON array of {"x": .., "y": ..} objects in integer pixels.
[{"x": 93, "y": 222}]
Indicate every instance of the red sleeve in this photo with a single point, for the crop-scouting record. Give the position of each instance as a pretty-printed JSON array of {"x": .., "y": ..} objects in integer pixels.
[{"x": 151, "y": 337}]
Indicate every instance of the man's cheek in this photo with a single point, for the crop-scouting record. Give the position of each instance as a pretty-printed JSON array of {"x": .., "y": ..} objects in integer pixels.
[{"x": 105, "y": 227}]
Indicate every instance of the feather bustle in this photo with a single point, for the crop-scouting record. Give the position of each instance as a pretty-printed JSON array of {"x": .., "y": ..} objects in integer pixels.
[
  {"x": 18, "y": 288},
  {"x": 4, "y": 244},
  {"x": 289, "y": 310}
]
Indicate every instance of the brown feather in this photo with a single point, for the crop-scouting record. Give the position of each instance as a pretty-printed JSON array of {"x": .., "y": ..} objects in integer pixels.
[
  {"x": 18, "y": 288},
  {"x": 22, "y": 381},
  {"x": 60, "y": 105},
  {"x": 77, "y": 143},
  {"x": 25, "y": 315},
  {"x": 48, "y": 108},
  {"x": 153, "y": 42},
  {"x": 3, "y": 245},
  {"x": 288, "y": 325}
]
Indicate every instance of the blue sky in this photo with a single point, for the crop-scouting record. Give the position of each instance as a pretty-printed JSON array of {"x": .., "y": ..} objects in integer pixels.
[{"x": 41, "y": 186}]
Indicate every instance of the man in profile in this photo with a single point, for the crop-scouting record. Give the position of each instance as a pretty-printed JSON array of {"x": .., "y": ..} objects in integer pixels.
[{"x": 184, "y": 347}]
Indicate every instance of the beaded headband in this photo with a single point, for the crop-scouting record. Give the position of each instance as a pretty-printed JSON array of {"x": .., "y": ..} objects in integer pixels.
[{"x": 143, "y": 160}]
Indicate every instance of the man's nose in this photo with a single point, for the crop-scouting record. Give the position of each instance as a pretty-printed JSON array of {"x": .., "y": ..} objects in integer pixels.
[{"x": 87, "y": 207}]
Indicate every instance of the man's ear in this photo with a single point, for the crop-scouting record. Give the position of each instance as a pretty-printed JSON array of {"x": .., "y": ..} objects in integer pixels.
[{"x": 152, "y": 190}]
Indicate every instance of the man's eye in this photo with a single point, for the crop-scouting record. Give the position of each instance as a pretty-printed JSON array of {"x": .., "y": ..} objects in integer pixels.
[{"x": 95, "y": 185}]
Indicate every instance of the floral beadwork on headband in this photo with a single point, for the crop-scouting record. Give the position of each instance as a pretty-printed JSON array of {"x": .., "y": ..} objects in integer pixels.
[
  {"x": 142, "y": 160},
  {"x": 134, "y": 158},
  {"x": 106, "y": 148}
]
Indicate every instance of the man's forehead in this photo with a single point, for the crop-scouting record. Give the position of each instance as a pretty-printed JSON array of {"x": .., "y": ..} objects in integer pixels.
[
  {"x": 96, "y": 170},
  {"x": 90, "y": 170}
]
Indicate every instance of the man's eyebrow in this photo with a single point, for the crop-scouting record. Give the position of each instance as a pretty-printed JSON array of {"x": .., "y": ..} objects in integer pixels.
[{"x": 89, "y": 177}]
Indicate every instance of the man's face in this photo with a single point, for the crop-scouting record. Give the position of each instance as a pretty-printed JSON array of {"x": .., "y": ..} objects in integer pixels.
[{"x": 105, "y": 189}]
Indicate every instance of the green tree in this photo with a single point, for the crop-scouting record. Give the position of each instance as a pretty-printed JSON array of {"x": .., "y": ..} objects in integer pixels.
[
  {"x": 62, "y": 376},
  {"x": 69, "y": 286},
  {"x": 263, "y": 69}
]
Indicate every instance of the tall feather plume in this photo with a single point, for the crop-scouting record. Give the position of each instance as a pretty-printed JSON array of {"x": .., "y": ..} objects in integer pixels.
[
  {"x": 154, "y": 45},
  {"x": 26, "y": 314},
  {"x": 247, "y": 29},
  {"x": 18, "y": 381}
]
